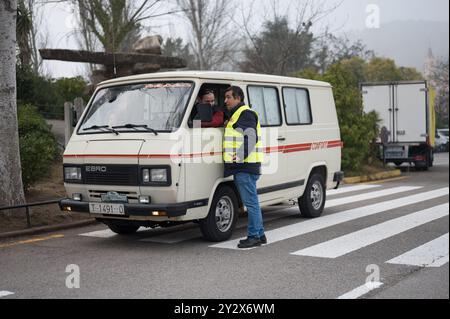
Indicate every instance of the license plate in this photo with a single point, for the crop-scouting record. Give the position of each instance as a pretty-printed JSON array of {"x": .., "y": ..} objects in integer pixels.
[
  {"x": 107, "y": 209},
  {"x": 394, "y": 154}
]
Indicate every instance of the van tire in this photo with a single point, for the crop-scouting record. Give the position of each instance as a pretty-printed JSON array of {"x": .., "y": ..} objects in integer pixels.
[
  {"x": 224, "y": 203},
  {"x": 123, "y": 229},
  {"x": 312, "y": 202}
]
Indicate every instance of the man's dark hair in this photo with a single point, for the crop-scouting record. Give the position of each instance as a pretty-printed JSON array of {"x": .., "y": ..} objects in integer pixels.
[
  {"x": 204, "y": 92},
  {"x": 237, "y": 92}
]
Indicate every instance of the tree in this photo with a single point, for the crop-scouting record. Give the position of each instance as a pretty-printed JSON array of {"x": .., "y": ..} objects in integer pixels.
[
  {"x": 23, "y": 30},
  {"x": 176, "y": 48},
  {"x": 28, "y": 21},
  {"x": 331, "y": 49},
  {"x": 285, "y": 44},
  {"x": 210, "y": 40},
  {"x": 11, "y": 188},
  {"x": 380, "y": 70},
  {"x": 358, "y": 130},
  {"x": 410, "y": 74},
  {"x": 113, "y": 25},
  {"x": 278, "y": 49},
  {"x": 439, "y": 78}
]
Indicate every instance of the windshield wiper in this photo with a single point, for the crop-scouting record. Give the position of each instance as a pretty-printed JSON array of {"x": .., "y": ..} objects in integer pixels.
[
  {"x": 102, "y": 127},
  {"x": 135, "y": 126}
]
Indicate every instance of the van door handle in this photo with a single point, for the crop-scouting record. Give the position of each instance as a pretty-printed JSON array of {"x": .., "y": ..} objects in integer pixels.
[{"x": 281, "y": 139}]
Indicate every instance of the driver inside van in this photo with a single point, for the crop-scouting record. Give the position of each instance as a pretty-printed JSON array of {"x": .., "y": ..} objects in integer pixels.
[{"x": 208, "y": 97}]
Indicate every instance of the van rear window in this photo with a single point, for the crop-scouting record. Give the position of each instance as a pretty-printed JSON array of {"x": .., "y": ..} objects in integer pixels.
[{"x": 297, "y": 106}]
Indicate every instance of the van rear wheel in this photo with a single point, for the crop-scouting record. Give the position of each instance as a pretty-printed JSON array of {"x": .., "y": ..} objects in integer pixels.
[
  {"x": 312, "y": 202},
  {"x": 222, "y": 217}
]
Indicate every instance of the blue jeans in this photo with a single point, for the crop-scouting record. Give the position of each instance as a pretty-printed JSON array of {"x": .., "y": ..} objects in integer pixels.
[{"x": 246, "y": 184}]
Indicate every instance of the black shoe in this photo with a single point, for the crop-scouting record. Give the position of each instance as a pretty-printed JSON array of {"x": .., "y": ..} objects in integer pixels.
[
  {"x": 249, "y": 242},
  {"x": 262, "y": 239}
]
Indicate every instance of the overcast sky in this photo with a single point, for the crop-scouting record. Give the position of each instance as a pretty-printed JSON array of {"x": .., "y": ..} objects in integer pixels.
[{"x": 350, "y": 16}]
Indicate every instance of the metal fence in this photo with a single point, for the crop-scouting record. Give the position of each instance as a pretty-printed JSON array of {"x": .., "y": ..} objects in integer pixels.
[{"x": 27, "y": 207}]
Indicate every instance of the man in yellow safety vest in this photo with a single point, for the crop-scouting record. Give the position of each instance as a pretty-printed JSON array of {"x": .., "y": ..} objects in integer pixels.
[{"x": 243, "y": 156}]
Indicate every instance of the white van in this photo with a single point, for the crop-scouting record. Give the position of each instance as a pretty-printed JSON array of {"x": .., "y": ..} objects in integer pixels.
[{"x": 135, "y": 158}]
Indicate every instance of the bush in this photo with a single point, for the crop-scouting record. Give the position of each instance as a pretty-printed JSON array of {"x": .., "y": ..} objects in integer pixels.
[
  {"x": 38, "y": 147},
  {"x": 48, "y": 95}
]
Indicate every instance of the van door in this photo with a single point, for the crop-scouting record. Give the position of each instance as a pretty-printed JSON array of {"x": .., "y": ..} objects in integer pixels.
[
  {"x": 265, "y": 100},
  {"x": 299, "y": 134},
  {"x": 202, "y": 148}
]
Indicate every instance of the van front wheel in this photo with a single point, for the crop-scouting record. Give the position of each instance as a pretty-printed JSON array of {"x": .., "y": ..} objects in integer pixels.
[
  {"x": 312, "y": 202},
  {"x": 222, "y": 217}
]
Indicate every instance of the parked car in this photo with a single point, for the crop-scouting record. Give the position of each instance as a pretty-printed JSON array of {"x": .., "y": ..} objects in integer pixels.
[{"x": 442, "y": 140}]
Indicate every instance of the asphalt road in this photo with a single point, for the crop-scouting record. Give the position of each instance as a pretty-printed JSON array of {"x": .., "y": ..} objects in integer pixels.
[{"x": 393, "y": 234}]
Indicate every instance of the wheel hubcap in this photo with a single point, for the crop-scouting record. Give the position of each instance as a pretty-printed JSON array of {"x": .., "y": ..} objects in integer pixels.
[
  {"x": 224, "y": 214},
  {"x": 316, "y": 195}
]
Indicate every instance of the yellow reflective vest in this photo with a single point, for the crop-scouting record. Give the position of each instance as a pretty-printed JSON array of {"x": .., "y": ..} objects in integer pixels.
[{"x": 233, "y": 140}]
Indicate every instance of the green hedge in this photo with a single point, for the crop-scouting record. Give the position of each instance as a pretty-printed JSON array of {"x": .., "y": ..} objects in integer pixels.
[{"x": 38, "y": 146}]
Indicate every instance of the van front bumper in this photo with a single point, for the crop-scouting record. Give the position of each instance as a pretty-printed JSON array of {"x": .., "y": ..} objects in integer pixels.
[{"x": 138, "y": 210}]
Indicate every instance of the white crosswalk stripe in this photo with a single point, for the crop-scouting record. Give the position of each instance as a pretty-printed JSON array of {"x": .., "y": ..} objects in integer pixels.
[
  {"x": 105, "y": 233},
  {"x": 349, "y": 189},
  {"x": 174, "y": 237},
  {"x": 371, "y": 195},
  {"x": 309, "y": 226},
  {"x": 361, "y": 291},
  {"x": 346, "y": 244},
  {"x": 431, "y": 254},
  {"x": 188, "y": 234},
  {"x": 5, "y": 293}
]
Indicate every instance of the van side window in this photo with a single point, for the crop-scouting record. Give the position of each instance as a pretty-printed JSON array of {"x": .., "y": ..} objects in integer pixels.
[
  {"x": 265, "y": 101},
  {"x": 297, "y": 106}
]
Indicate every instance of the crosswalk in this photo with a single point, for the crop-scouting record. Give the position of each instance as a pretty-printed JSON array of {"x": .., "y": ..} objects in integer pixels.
[
  {"x": 312, "y": 225},
  {"x": 432, "y": 254},
  {"x": 354, "y": 241}
]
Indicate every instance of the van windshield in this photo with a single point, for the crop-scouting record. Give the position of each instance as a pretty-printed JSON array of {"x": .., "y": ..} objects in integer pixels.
[{"x": 158, "y": 106}]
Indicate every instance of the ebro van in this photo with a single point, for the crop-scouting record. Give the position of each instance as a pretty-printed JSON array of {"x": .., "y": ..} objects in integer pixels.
[{"x": 140, "y": 157}]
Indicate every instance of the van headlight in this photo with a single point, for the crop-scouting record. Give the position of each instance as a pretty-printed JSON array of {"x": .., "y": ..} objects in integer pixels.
[
  {"x": 72, "y": 173},
  {"x": 156, "y": 176}
]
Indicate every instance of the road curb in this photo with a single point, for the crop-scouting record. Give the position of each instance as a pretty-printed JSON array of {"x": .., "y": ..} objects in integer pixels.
[
  {"x": 373, "y": 177},
  {"x": 47, "y": 229}
]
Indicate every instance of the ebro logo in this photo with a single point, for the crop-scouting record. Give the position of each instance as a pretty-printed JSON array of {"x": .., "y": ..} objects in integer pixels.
[
  {"x": 319, "y": 146},
  {"x": 96, "y": 169}
]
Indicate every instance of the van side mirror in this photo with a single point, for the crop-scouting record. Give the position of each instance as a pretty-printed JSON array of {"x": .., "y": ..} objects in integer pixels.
[{"x": 204, "y": 113}]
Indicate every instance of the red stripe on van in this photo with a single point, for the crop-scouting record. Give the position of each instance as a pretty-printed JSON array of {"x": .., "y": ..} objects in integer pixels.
[{"x": 278, "y": 149}]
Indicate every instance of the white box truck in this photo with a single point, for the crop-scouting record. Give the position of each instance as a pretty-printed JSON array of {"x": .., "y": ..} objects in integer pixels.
[{"x": 407, "y": 124}]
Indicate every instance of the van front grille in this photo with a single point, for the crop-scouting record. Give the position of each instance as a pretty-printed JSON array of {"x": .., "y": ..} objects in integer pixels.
[{"x": 120, "y": 175}]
